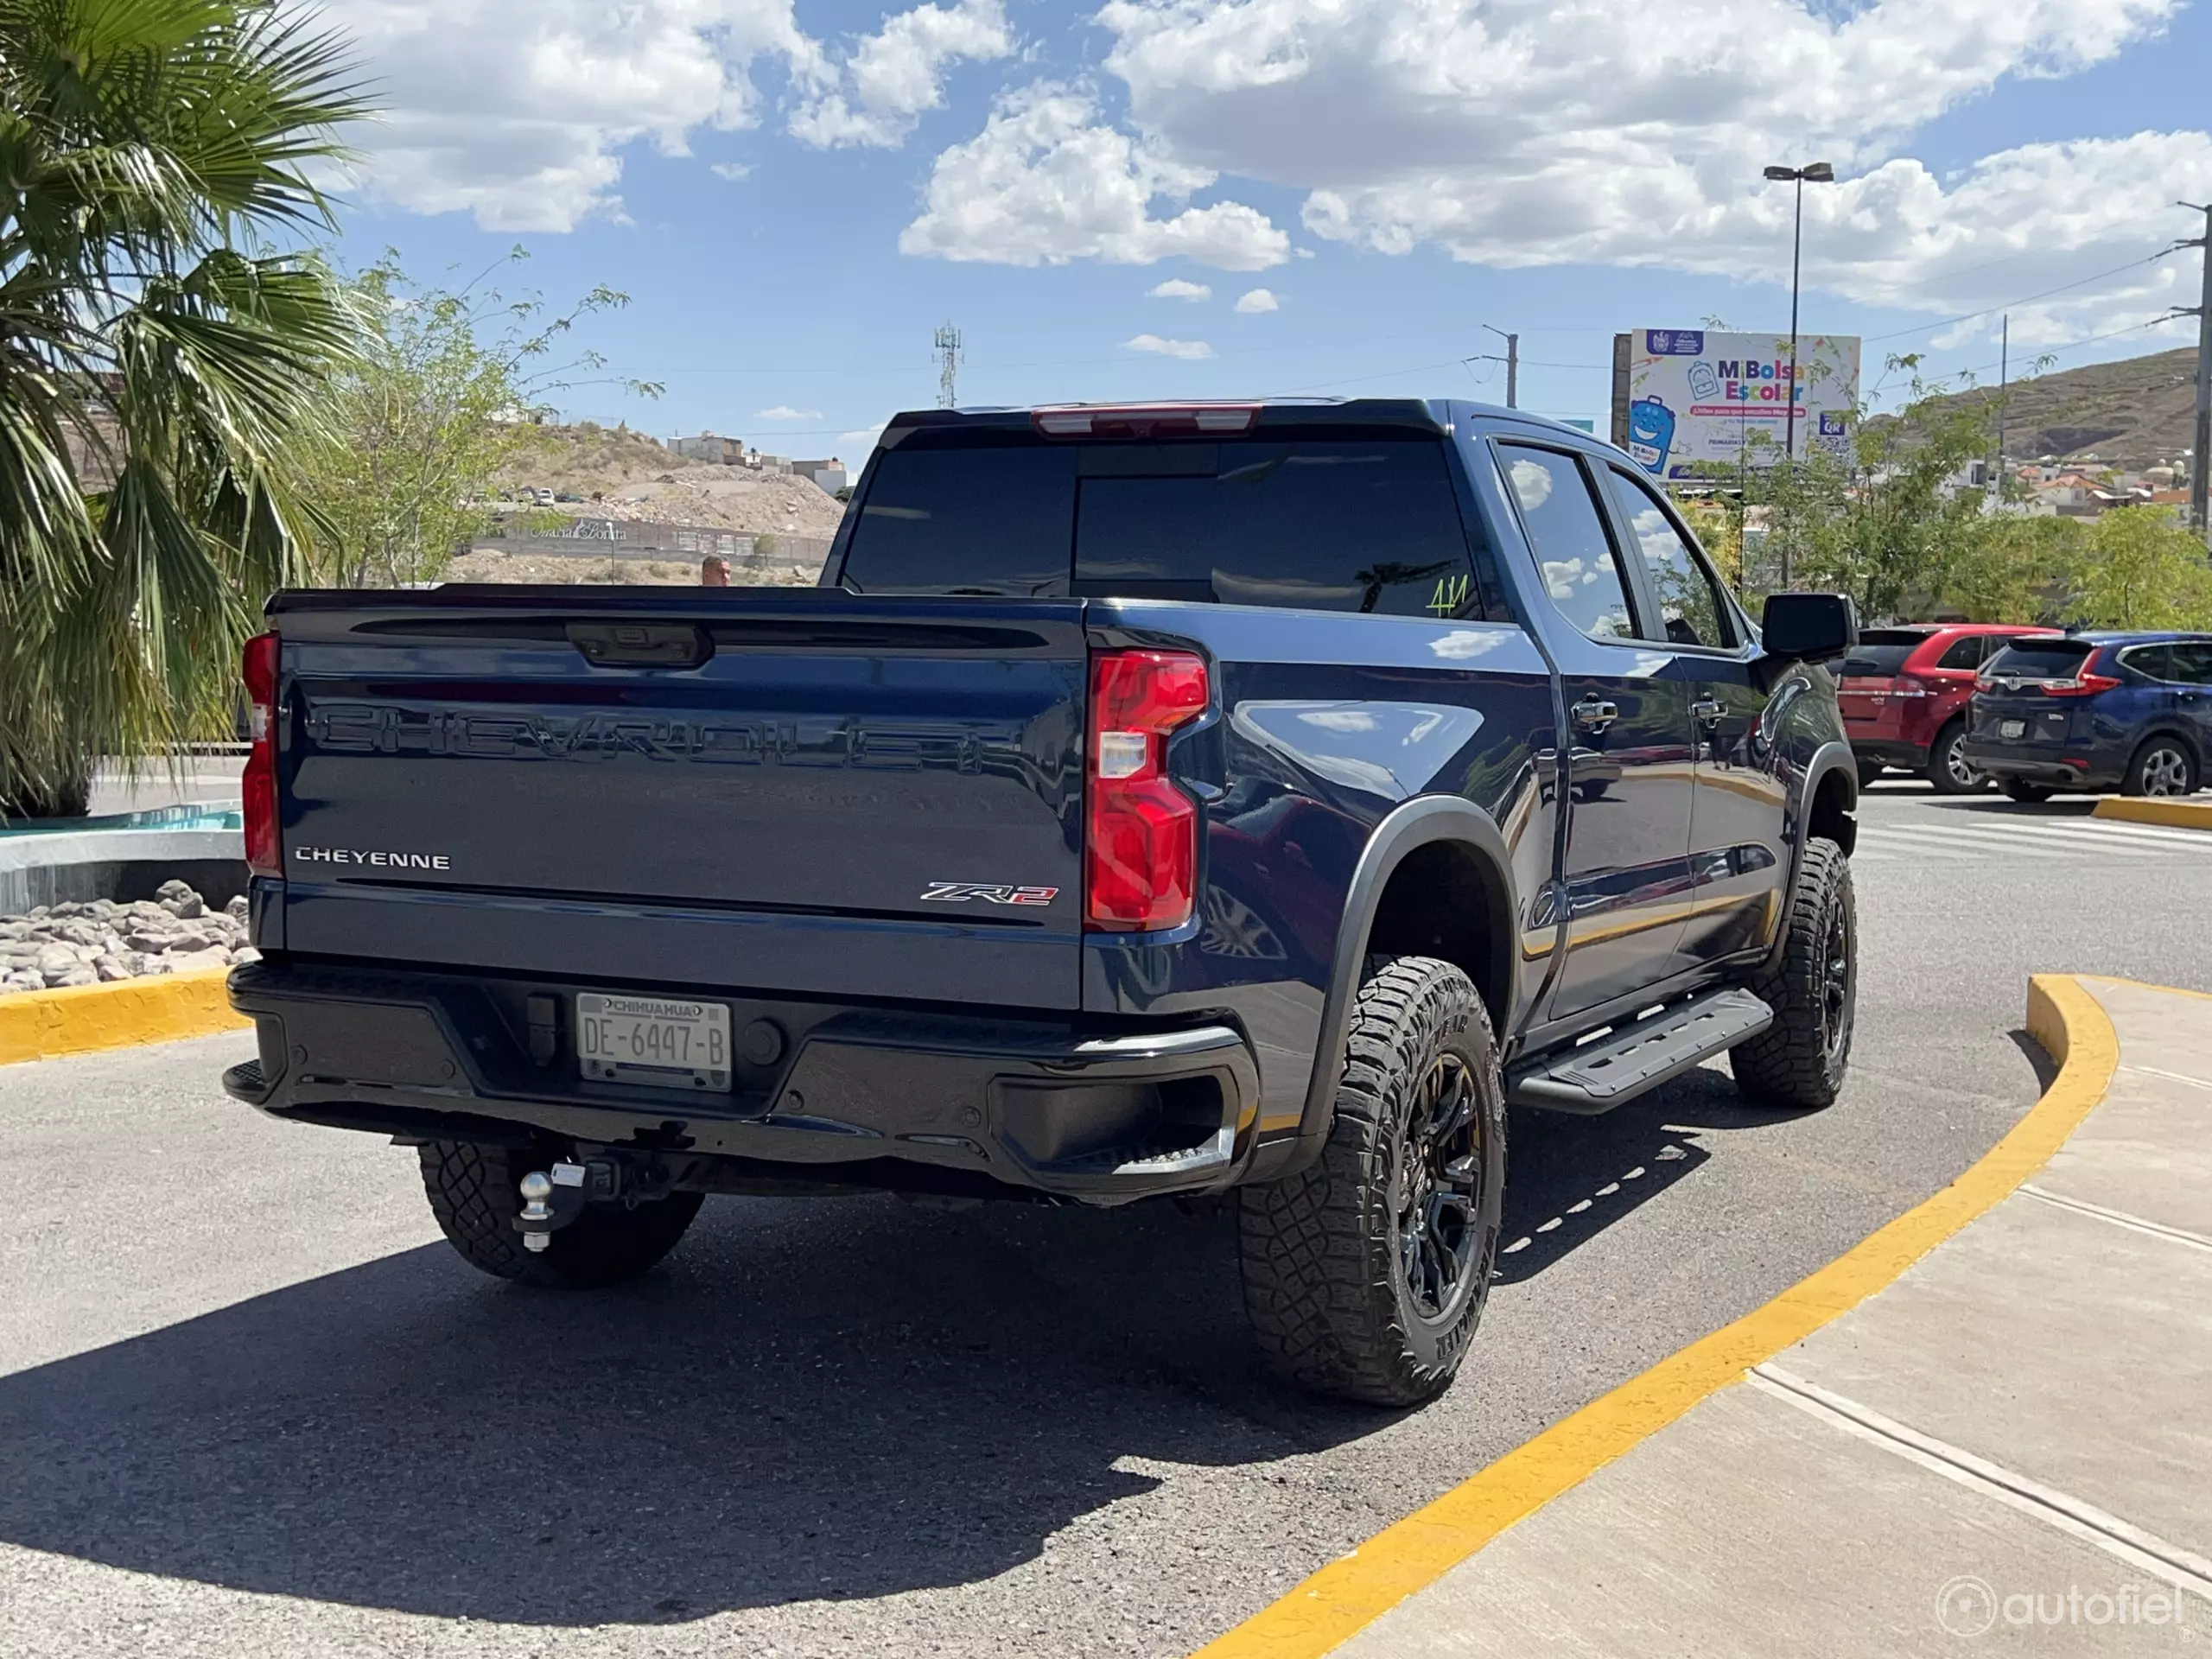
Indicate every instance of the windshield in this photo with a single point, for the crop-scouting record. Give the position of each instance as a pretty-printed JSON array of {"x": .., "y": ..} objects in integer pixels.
[
  {"x": 2041, "y": 659},
  {"x": 1871, "y": 661},
  {"x": 1364, "y": 523}
]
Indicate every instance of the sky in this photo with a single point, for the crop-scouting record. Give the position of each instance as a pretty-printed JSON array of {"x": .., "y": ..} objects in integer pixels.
[{"x": 1165, "y": 199}]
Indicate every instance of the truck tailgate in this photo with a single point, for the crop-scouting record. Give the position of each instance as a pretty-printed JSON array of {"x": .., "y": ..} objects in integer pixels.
[{"x": 805, "y": 791}]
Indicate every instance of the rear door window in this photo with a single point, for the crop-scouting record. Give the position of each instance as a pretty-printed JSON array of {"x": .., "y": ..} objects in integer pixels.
[
  {"x": 1690, "y": 610},
  {"x": 1582, "y": 571},
  {"x": 996, "y": 521},
  {"x": 2192, "y": 662},
  {"x": 1355, "y": 524},
  {"x": 2041, "y": 659}
]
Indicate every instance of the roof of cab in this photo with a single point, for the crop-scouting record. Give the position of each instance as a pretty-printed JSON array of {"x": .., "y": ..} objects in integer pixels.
[{"x": 1438, "y": 414}]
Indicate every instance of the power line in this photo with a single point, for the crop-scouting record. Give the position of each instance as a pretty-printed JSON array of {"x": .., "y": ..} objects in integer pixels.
[{"x": 2065, "y": 288}]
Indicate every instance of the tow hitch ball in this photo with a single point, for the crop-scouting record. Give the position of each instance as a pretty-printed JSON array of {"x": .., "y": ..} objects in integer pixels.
[{"x": 552, "y": 1199}]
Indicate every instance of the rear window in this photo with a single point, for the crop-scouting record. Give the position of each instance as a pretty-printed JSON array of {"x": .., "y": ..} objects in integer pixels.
[
  {"x": 1876, "y": 661},
  {"x": 1345, "y": 524},
  {"x": 2041, "y": 659}
]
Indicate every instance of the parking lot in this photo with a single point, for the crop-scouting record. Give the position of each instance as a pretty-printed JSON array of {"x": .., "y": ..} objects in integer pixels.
[{"x": 251, "y": 1404}]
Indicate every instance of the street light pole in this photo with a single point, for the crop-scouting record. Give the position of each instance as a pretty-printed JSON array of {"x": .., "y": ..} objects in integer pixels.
[{"x": 1817, "y": 173}]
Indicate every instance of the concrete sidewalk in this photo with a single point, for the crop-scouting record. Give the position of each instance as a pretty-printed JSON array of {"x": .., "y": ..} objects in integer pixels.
[{"x": 2010, "y": 1448}]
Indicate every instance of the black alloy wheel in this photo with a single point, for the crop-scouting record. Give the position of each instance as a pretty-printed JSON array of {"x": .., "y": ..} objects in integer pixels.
[{"x": 1438, "y": 1189}]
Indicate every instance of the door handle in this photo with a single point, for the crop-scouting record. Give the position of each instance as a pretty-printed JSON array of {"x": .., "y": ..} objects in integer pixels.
[
  {"x": 1707, "y": 711},
  {"x": 1593, "y": 715}
]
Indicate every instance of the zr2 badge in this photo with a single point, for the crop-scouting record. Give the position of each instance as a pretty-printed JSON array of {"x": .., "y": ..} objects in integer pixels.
[{"x": 991, "y": 892}]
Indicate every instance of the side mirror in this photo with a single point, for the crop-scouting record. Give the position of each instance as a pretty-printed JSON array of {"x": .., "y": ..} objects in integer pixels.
[{"x": 1809, "y": 627}]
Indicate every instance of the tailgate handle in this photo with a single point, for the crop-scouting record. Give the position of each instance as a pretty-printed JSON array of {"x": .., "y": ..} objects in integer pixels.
[{"x": 641, "y": 645}]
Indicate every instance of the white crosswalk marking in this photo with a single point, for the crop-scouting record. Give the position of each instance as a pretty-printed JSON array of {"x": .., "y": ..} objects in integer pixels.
[{"x": 1961, "y": 836}]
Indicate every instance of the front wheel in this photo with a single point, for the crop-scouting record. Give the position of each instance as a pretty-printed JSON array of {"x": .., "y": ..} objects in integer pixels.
[
  {"x": 1365, "y": 1273},
  {"x": 2163, "y": 766},
  {"x": 1798, "y": 1062},
  {"x": 473, "y": 1193},
  {"x": 1947, "y": 763}
]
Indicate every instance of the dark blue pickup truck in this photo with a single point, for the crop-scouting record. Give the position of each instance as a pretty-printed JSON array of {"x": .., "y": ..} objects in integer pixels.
[{"x": 1160, "y": 800}]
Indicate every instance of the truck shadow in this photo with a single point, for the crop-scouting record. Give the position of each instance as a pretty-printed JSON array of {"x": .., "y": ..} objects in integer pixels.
[
  {"x": 836, "y": 1400},
  {"x": 821, "y": 1400},
  {"x": 1569, "y": 1179}
]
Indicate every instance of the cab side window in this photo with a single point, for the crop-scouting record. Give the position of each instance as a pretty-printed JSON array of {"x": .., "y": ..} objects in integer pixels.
[
  {"x": 1690, "y": 610},
  {"x": 1581, "y": 568}
]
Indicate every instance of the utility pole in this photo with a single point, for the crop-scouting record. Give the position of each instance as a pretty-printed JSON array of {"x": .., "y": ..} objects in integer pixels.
[
  {"x": 2200, "y": 457},
  {"x": 1512, "y": 365},
  {"x": 1816, "y": 173},
  {"x": 947, "y": 343},
  {"x": 2004, "y": 378}
]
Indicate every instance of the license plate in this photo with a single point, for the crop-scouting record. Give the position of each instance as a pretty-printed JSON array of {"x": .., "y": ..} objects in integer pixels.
[
  {"x": 2011, "y": 728},
  {"x": 652, "y": 1039}
]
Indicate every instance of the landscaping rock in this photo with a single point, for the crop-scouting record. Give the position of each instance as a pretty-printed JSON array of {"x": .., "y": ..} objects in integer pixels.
[{"x": 101, "y": 942}]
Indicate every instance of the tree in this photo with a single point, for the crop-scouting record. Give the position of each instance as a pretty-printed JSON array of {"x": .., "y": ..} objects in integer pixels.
[
  {"x": 154, "y": 359},
  {"x": 2138, "y": 568},
  {"x": 451, "y": 388}
]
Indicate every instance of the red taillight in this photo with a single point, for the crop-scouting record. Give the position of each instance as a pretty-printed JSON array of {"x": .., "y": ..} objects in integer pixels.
[
  {"x": 264, "y": 850},
  {"x": 1141, "y": 836},
  {"x": 2081, "y": 685}
]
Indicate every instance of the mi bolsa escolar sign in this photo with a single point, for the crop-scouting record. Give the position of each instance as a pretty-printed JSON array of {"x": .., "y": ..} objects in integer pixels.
[{"x": 1687, "y": 400}]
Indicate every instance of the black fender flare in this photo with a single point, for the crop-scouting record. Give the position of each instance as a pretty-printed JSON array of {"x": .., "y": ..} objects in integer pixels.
[
  {"x": 1833, "y": 756},
  {"x": 1415, "y": 824}
]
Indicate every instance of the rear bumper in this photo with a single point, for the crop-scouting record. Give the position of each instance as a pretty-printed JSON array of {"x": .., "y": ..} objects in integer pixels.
[
  {"x": 2042, "y": 763},
  {"x": 1890, "y": 751},
  {"x": 914, "y": 1099}
]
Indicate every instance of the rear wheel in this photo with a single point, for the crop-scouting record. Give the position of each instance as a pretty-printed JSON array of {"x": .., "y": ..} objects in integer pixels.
[
  {"x": 2164, "y": 766},
  {"x": 2020, "y": 789},
  {"x": 1947, "y": 763},
  {"x": 1799, "y": 1061},
  {"x": 1365, "y": 1273},
  {"x": 473, "y": 1193}
]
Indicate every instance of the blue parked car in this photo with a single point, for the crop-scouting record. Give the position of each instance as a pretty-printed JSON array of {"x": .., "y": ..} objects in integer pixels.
[{"x": 2095, "y": 712}]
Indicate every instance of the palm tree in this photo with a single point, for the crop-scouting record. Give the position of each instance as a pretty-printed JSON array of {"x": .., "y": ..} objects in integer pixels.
[{"x": 155, "y": 358}]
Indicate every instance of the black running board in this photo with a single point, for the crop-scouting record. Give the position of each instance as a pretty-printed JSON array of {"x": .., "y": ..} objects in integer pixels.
[{"x": 1641, "y": 1055}]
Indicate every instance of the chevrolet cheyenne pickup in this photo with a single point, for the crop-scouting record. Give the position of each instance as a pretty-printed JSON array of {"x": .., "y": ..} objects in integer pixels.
[{"x": 1245, "y": 799}]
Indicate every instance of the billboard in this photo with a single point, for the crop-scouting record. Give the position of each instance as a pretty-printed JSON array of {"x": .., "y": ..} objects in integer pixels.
[{"x": 1689, "y": 399}]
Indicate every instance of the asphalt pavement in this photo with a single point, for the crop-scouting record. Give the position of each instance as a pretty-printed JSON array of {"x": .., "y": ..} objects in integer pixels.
[{"x": 249, "y": 1402}]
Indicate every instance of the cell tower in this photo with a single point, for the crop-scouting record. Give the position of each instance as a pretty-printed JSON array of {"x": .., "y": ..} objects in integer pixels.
[{"x": 947, "y": 343}]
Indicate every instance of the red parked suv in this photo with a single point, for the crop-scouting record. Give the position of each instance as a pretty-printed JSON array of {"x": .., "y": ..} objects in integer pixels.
[{"x": 1904, "y": 690}]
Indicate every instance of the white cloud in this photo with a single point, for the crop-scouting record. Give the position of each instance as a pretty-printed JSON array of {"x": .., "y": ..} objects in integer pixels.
[
  {"x": 1254, "y": 301},
  {"x": 1187, "y": 349},
  {"x": 1528, "y": 132},
  {"x": 893, "y": 75},
  {"x": 1043, "y": 184},
  {"x": 785, "y": 412},
  {"x": 515, "y": 110},
  {"x": 1176, "y": 289},
  {"x": 734, "y": 171}
]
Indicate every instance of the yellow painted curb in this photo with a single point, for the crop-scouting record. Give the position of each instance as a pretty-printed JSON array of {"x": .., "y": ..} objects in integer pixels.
[
  {"x": 1353, "y": 1592},
  {"x": 39, "y": 1024},
  {"x": 2175, "y": 814}
]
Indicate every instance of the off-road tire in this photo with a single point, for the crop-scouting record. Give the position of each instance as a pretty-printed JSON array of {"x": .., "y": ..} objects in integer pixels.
[
  {"x": 1325, "y": 1284},
  {"x": 473, "y": 1193},
  {"x": 1940, "y": 757},
  {"x": 2164, "y": 766},
  {"x": 2027, "y": 794},
  {"x": 1799, "y": 1061}
]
